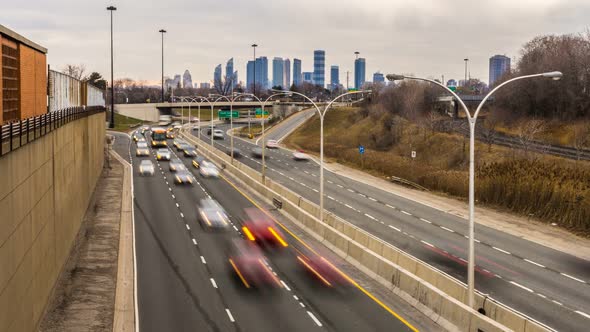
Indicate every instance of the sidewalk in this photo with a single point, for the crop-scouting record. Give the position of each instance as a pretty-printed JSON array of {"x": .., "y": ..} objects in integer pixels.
[{"x": 522, "y": 227}]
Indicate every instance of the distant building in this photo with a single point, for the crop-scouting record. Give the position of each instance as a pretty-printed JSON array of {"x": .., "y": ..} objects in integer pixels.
[
  {"x": 173, "y": 83},
  {"x": 250, "y": 74},
  {"x": 277, "y": 72},
  {"x": 308, "y": 77},
  {"x": 452, "y": 82},
  {"x": 334, "y": 77},
  {"x": 187, "y": 81},
  {"x": 297, "y": 76},
  {"x": 499, "y": 65},
  {"x": 378, "y": 78},
  {"x": 217, "y": 75},
  {"x": 230, "y": 74},
  {"x": 319, "y": 67},
  {"x": 359, "y": 73},
  {"x": 262, "y": 72},
  {"x": 236, "y": 79},
  {"x": 287, "y": 74},
  {"x": 205, "y": 85}
]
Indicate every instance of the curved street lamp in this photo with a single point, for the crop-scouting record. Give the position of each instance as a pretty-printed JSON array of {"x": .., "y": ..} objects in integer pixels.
[{"x": 555, "y": 75}]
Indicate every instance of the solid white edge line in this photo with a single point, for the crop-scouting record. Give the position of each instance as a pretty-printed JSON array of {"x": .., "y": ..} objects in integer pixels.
[
  {"x": 502, "y": 250},
  {"x": 314, "y": 318},
  {"x": 534, "y": 263},
  {"x": 521, "y": 286},
  {"x": 573, "y": 278},
  {"x": 231, "y": 318},
  {"x": 213, "y": 282},
  {"x": 582, "y": 313}
]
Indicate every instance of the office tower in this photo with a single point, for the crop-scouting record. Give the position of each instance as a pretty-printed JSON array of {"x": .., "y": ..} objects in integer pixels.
[
  {"x": 359, "y": 73},
  {"x": 277, "y": 72},
  {"x": 499, "y": 65},
  {"x": 262, "y": 72},
  {"x": 308, "y": 77},
  {"x": 334, "y": 77},
  {"x": 286, "y": 74},
  {"x": 187, "y": 81},
  {"x": 319, "y": 67},
  {"x": 205, "y": 85},
  {"x": 378, "y": 78},
  {"x": 297, "y": 78},
  {"x": 217, "y": 75},
  {"x": 250, "y": 74}
]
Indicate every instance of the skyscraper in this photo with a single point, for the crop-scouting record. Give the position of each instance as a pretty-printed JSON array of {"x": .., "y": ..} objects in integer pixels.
[
  {"x": 250, "y": 74},
  {"x": 217, "y": 75},
  {"x": 359, "y": 73},
  {"x": 319, "y": 67},
  {"x": 229, "y": 72},
  {"x": 499, "y": 65},
  {"x": 287, "y": 74},
  {"x": 297, "y": 78},
  {"x": 277, "y": 72},
  {"x": 334, "y": 77},
  {"x": 378, "y": 78},
  {"x": 308, "y": 77},
  {"x": 262, "y": 72},
  {"x": 187, "y": 81}
]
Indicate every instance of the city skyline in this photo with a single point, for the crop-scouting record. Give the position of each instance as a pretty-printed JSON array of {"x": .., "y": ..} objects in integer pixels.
[{"x": 392, "y": 40}]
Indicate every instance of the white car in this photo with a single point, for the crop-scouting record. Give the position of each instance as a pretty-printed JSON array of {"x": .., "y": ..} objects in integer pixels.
[
  {"x": 208, "y": 170},
  {"x": 212, "y": 215},
  {"x": 272, "y": 144},
  {"x": 218, "y": 134},
  {"x": 163, "y": 154},
  {"x": 298, "y": 155},
  {"x": 142, "y": 149},
  {"x": 146, "y": 167}
]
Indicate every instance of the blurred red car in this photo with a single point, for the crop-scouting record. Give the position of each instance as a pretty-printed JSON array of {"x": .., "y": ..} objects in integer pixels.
[
  {"x": 323, "y": 270},
  {"x": 251, "y": 266},
  {"x": 258, "y": 227}
]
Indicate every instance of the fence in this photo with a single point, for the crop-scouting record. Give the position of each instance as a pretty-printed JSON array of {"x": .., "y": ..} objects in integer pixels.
[
  {"x": 16, "y": 134},
  {"x": 65, "y": 91}
]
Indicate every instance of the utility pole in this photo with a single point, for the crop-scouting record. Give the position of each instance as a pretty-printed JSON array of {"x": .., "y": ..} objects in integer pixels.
[
  {"x": 347, "y": 86},
  {"x": 254, "y": 47},
  {"x": 162, "y": 31},
  {"x": 465, "y": 82},
  {"x": 112, "y": 124}
]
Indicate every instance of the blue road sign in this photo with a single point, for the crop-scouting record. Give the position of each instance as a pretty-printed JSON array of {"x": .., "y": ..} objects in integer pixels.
[{"x": 361, "y": 149}]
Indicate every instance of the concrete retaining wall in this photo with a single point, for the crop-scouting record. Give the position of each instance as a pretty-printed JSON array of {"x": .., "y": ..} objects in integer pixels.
[
  {"x": 45, "y": 188},
  {"x": 440, "y": 296}
]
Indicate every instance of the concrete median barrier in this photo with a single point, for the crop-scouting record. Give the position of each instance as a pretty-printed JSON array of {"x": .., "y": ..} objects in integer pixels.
[{"x": 433, "y": 292}]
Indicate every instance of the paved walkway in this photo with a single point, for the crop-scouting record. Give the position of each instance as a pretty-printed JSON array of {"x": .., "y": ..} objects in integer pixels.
[{"x": 85, "y": 293}]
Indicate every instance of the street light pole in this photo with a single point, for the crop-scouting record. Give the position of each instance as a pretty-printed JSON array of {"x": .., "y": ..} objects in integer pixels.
[
  {"x": 162, "y": 31},
  {"x": 254, "y": 48},
  {"x": 112, "y": 124},
  {"x": 472, "y": 120}
]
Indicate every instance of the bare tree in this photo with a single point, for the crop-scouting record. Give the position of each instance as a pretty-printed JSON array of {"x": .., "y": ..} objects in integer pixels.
[
  {"x": 581, "y": 138},
  {"x": 528, "y": 131},
  {"x": 488, "y": 130},
  {"x": 76, "y": 71}
]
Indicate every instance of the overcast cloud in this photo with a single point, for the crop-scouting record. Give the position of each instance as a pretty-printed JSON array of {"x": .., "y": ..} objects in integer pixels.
[{"x": 423, "y": 37}]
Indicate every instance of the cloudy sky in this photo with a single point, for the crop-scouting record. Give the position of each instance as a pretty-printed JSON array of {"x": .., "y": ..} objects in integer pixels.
[{"x": 424, "y": 37}]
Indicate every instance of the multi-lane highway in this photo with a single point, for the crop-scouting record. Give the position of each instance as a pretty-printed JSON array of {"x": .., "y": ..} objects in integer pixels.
[
  {"x": 185, "y": 282},
  {"x": 548, "y": 285}
]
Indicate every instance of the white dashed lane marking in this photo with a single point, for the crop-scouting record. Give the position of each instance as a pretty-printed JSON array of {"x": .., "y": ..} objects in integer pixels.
[
  {"x": 393, "y": 227},
  {"x": 447, "y": 229},
  {"x": 521, "y": 286},
  {"x": 501, "y": 250},
  {"x": 231, "y": 318},
  {"x": 406, "y": 213},
  {"x": 195, "y": 241},
  {"x": 314, "y": 318},
  {"x": 286, "y": 287},
  {"x": 534, "y": 263},
  {"x": 213, "y": 282},
  {"x": 425, "y": 220},
  {"x": 203, "y": 260},
  {"x": 573, "y": 278}
]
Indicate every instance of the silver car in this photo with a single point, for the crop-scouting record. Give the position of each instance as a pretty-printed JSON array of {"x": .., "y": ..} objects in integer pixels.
[
  {"x": 218, "y": 134},
  {"x": 142, "y": 149},
  {"x": 176, "y": 165},
  {"x": 163, "y": 154},
  {"x": 146, "y": 167},
  {"x": 183, "y": 176},
  {"x": 211, "y": 215},
  {"x": 208, "y": 170}
]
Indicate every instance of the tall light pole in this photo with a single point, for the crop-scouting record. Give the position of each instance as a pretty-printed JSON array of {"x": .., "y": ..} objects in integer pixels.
[
  {"x": 465, "y": 81},
  {"x": 254, "y": 48},
  {"x": 472, "y": 119},
  {"x": 162, "y": 31},
  {"x": 112, "y": 123}
]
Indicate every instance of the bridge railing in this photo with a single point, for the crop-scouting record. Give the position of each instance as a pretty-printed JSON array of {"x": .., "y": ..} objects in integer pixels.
[{"x": 16, "y": 134}]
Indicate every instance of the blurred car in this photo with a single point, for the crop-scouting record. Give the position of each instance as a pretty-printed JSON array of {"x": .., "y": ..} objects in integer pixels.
[
  {"x": 141, "y": 139},
  {"x": 143, "y": 129},
  {"x": 170, "y": 134},
  {"x": 146, "y": 167},
  {"x": 257, "y": 152},
  {"x": 237, "y": 152},
  {"x": 135, "y": 136},
  {"x": 142, "y": 149},
  {"x": 177, "y": 127},
  {"x": 323, "y": 270},
  {"x": 197, "y": 161},
  {"x": 298, "y": 155},
  {"x": 218, "y": 134},
  {"x": 176, "y": 165},
  {"x": 208, "y": 170},
  {"x": 177, "y": 142},
  {"x": 212, "y": 215},
  {"x": 189, "y": 151},
  {"x": 258, "y": 227},
  {"x": 210, "y": 129},
  {"x": 251, "y": 266},
  {"x": 183, "y": 145},
  {"x": 163, "y": 154},
  {"x": 272, "y": 144},
  {"x": 184, "y": 176},
  {"x": 196, "y": 127}
]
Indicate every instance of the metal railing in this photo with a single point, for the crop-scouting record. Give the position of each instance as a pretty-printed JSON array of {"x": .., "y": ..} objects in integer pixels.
[{"x": 16, "y": 134}]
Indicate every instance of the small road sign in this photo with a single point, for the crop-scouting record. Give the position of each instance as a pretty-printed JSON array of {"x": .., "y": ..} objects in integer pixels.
[
  {"x": 413, "y": 154},
  {"x": 361, "y": 149}
]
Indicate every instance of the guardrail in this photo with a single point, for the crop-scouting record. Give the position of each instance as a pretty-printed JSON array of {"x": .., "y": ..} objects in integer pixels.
[
  {"x": 430, "y": 290},
  {"x": 16, "y": 134}
]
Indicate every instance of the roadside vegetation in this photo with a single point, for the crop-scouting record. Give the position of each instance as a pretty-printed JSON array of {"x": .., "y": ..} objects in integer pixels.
[{"x": 123, "y": 123}]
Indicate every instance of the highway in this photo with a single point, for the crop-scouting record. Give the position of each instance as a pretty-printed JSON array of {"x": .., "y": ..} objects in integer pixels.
[
  {"x": 550, "y": 286},
  {"x": 185, "y": 282}
]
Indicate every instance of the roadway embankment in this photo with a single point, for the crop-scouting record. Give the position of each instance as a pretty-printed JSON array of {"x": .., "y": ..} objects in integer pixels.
[{"x": 45, "y": 189}]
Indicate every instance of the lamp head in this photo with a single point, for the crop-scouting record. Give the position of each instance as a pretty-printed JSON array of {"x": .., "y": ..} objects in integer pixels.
[
  {"x": 162, "y": 31},
  {"x": 554, "y": 75},
  {"x": 395, "y": 77},
  {"x": 111, "y": 8}
]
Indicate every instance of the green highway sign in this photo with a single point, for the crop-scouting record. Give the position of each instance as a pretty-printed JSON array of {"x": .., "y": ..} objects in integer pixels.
[
  {"x": 453, "y": 88},
  {"x": 259, "y": 112},
  {"x": 224, "y": 114}
]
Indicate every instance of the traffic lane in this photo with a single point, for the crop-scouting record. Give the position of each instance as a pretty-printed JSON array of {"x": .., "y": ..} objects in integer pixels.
[
  {"x": 361, "y": 312},
  {"x": 290, "y": 124},
  {"x": 122, "y": 145},
  {"x": 172, "y": 289},
  {"x": 251, "y": 310}
]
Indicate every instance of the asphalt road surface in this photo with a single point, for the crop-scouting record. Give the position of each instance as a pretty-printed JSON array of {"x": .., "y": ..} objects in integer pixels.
[
  {"x": 185, "y": 282},
  {"x": 550, "y": 286}
]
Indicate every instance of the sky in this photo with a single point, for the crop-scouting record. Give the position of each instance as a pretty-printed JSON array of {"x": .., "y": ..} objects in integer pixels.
[{"x": 429, "y": 38}]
